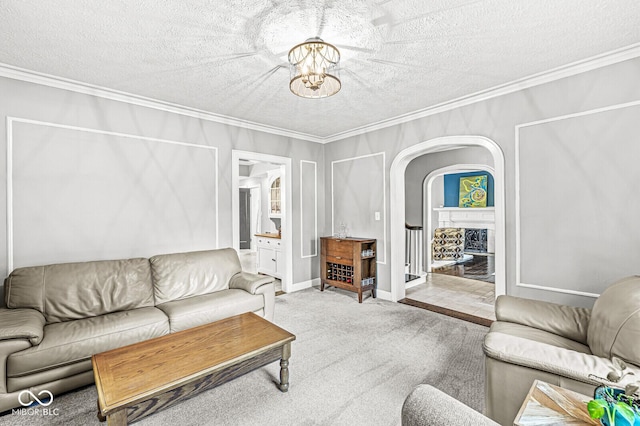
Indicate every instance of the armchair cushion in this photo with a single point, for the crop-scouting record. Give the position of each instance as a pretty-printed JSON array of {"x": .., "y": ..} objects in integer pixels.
[
  {"x": 565, "y": 321},
  {"x": 615, "y": 321},
  {"x": 21, "y": 324}
]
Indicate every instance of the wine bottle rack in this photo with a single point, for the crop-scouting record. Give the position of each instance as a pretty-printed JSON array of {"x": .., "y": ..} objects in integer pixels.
[{"x": 350, "y": 264}]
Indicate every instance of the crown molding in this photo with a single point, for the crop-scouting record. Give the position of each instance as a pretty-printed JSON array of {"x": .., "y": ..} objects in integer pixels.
[
  {"x": 22, "y": 74},
  {"x": 578, "y": 67}
]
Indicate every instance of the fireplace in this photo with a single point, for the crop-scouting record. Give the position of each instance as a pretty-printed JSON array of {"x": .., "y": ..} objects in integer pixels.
[
  {"x": 473, "y": 219},
  {"x": 475, "y": 240}
]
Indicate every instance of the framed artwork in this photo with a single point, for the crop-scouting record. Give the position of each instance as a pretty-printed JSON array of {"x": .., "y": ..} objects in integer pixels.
[{"x": 473, "y": 191}]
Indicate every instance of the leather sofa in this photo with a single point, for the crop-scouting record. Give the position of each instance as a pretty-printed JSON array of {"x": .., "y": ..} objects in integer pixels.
[
  {"x": 562, "y": 345},
  {"x": 57, "y": 316}
]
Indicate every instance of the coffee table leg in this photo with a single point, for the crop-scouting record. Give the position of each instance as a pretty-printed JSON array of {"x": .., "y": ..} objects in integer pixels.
[
  {"x": 284, "y": 367},
  {"x": 119, "y": 418},
  {"x": 101, "y": 418}
]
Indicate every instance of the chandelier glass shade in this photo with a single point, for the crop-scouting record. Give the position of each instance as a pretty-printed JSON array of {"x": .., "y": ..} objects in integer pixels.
[{"x": 314, "y": 69}]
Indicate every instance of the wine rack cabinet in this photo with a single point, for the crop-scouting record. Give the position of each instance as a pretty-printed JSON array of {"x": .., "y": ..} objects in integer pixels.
[{"x": 349, "y": 264}]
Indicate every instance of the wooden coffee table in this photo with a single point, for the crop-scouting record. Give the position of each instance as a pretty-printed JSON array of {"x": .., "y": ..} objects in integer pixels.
[{"x": 137, "y": 380}]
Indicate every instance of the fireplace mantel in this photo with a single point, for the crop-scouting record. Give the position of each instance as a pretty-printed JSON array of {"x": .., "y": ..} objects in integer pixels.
[{"x": 471, "y": 217}]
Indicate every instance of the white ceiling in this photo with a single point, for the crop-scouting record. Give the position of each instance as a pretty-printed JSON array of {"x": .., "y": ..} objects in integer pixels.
[{"x": 229, "y": 57}]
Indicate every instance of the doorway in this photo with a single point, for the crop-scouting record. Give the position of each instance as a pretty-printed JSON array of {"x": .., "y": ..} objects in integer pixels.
[
  {"x": 430, "y": 202},
  {"x": 464, "y": 281},
  {"x": 245, "y": 218},
  {"x": 397, "y": 195},
  {"x": 271, "y": 223}
]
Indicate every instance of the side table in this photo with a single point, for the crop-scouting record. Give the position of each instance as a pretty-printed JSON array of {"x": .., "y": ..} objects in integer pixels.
[{"x": 547, "y": 404}]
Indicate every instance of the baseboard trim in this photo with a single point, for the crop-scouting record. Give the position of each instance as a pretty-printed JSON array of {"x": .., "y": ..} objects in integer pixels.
[
  {"x": 416, "y": 282},
  {"x": 304, "y": 284},
  {"x": 384, "y": 295}
]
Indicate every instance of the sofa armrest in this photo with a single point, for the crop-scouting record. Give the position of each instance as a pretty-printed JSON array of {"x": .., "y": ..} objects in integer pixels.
[
  {"x": 427, "y": 405},
  {"x": 249, "y": 282},
  {"x": 565, "y": 321},
  {"x": 21, "y": 324}
]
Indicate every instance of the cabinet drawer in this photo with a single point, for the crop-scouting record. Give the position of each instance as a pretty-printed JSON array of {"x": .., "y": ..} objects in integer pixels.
[
  {"x": 340, "y": 248},
  {"x": 339, "y": 259},
  {"x": 269, "y": 242}
]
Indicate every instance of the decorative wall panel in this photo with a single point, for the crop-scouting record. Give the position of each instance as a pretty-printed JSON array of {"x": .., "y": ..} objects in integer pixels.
[
  {"x": 358, "y": 193},
  {"x": 577, "y": 222},
  {"x": 84, "y": 194},
  {"x": 308, "y": 208}
]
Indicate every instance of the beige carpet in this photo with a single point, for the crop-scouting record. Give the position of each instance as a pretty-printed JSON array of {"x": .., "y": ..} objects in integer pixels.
[{"x": 352, "y": 364}]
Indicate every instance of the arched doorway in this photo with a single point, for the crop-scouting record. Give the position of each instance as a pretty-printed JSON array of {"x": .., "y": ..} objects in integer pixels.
[
  {"x": 397, "y": 197},
  {"x": 428, "y": 219}
]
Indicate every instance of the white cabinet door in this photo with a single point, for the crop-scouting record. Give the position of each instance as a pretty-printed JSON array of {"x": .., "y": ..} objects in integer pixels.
[
  {"x": 270, "y": 256},
  {"x": 279, "y": 263},
  {"x": 266, "y": 260}
]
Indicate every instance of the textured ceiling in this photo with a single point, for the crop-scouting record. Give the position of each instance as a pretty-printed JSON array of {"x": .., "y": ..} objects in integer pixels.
[{"x": 229, "y": 57}]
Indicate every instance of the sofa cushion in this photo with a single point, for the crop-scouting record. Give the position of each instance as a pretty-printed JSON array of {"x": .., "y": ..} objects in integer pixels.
[
  {"x": 181, "y": 275},
  {"x": 71, "y": 291},
  {"x": 74, "y": 341},
  {"x": 198, "y": 310},
  {"x": 615, "y": 321}
]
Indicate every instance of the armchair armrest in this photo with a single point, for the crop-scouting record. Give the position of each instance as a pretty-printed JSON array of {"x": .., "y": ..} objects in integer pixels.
[
  {"x": 249, "y": 282},
  {"x": 565, "y": 321},
  {"x": 21, "y": 324},
  {"x": 427, "y": 405},
  {"x": 579, "y": 366}
]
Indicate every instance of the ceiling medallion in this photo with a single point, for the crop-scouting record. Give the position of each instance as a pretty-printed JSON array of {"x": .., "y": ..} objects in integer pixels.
[{"x": 314, "y": 69}]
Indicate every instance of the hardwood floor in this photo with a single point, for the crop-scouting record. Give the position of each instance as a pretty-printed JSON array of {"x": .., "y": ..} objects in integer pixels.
[{"x": 480, "y": 267}]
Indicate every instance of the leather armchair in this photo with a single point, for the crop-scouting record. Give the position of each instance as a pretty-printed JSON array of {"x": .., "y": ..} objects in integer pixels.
[{"x": 561, "y": 345}]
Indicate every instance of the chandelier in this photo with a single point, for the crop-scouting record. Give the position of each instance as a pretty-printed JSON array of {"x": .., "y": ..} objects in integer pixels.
[{"x": 314, "y": 69}]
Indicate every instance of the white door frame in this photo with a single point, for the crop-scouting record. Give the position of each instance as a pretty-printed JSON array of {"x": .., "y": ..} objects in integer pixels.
[
  {"x": 427, "y": 211},
  {"x": 397, "y": 198},
  {"x": 287, "y": 205}
]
